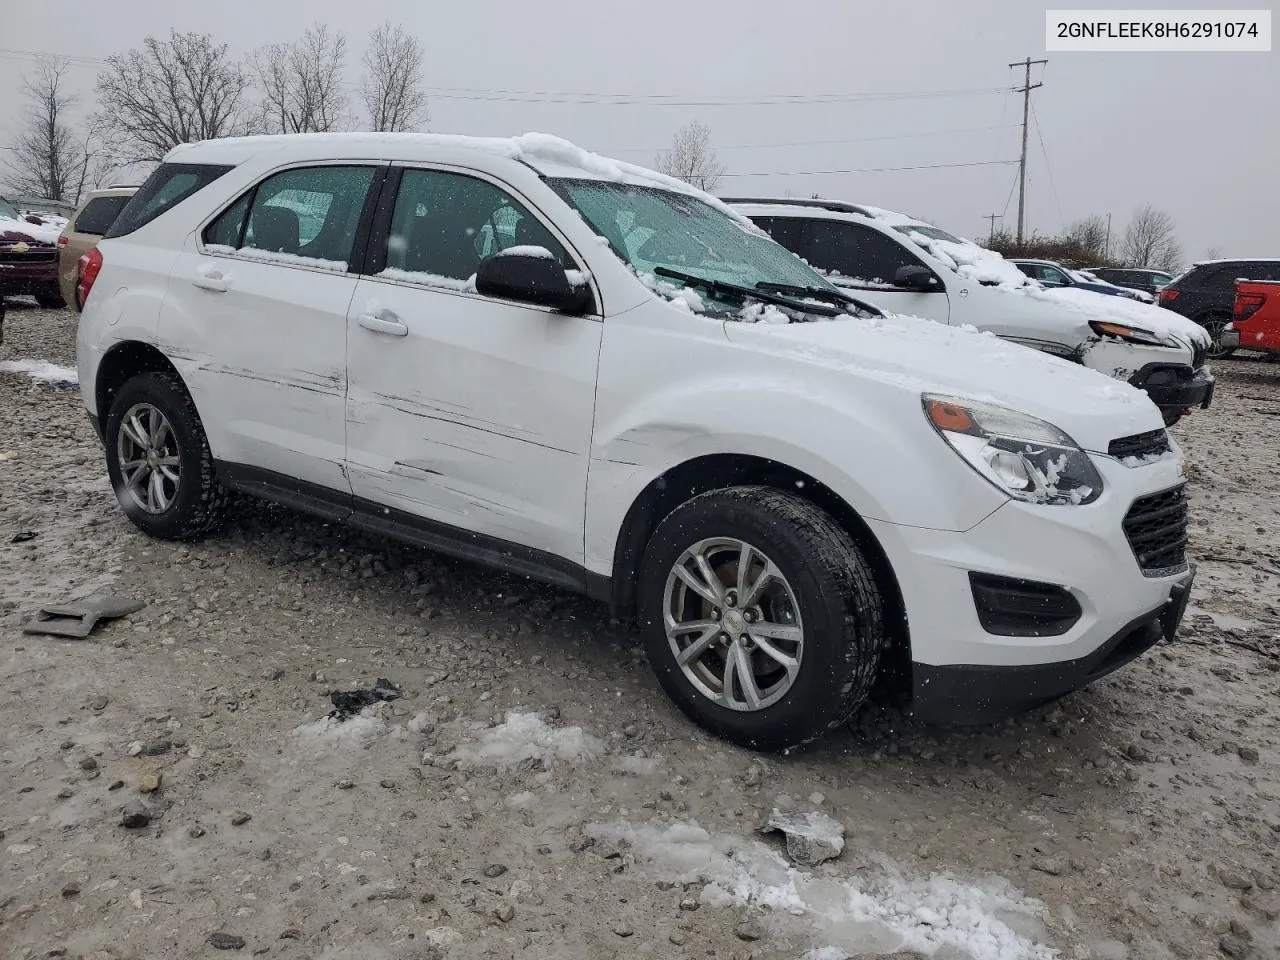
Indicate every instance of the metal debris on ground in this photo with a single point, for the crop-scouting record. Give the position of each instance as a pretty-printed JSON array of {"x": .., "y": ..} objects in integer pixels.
[
  {"x": 78, "y": 618},
  {"x": 347, "y": 703}
]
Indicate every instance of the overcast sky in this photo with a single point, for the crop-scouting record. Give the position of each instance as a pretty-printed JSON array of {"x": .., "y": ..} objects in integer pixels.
[{"x": 1196, "y": 134}]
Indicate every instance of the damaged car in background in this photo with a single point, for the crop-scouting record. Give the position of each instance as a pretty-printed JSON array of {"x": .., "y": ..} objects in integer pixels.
[
  {"x": 581, "y": 371},
  {"x": 907, "y": 266}
]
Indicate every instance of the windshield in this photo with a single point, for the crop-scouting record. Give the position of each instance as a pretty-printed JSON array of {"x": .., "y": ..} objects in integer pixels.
[
  {"x": 651, "y": 228},
  {"x": 933, "y": 233},
  {"x": 8, "y": 210}
]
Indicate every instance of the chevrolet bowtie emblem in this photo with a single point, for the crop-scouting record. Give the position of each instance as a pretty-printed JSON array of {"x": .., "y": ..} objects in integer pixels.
[{"x": 20, "y": 247}]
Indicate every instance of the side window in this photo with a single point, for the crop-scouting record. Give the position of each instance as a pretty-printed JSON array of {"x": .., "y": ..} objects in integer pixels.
[
  {"x": 1032, "y": 270},
  {"x": 855, "y": 253},
  {"x": 309, "y": 212},
  {"x": 445, "y": 223},
  {"x": 1259, "y": 271},
  {"x": 168, "y": 185},
  {"x": 788, "y": 232},
  {"x": 98, "y": 214},
  {"x": 1220, "y": 278},
  {"x": 1054, "y": 277}
]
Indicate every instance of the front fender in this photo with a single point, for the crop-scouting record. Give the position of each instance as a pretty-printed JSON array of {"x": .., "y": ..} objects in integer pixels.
[{"x": 883, "y": 468}]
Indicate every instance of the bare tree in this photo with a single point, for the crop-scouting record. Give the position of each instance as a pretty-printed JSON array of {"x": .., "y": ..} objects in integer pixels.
[
  {"x": 171, "y": 91},
  {"x": 392, "y": 84},
  {"x": 50, "y": 158},
  {"x": 1089, "y": 237},
  {"x": 1151, "y": 240},
  {"x": 691, "y": 158},
  {"x": 1213, "y": 253},
  {"x": 302, "y": 83}
]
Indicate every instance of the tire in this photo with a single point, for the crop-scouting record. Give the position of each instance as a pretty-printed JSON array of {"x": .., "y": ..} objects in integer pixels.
[
  {"x": 196, "y": 503},
  {"x": 1171, "y": 415},
  {"x": 834, "y": 600},
  {"x": 1214, "y": 324},
  {"x": 50, "y": 301}
]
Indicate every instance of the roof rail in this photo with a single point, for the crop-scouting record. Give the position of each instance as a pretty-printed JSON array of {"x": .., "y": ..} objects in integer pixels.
[
  {"x": 838, "y": 206},
  {"x": 121, "y": 186}
]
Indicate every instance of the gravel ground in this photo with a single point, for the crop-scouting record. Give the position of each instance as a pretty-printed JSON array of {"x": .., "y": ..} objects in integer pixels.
[{"x": 533, "y": 794}]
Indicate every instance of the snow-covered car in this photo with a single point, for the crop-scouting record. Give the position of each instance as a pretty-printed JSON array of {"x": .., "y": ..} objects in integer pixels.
[
  {"x": 584, "y": 372},
  {"x": 1056, "y": 276},
  {"x": 906, "y": 266},
  {"x": 1132, "y": 293},
  {"x": 28, "y": 257}
]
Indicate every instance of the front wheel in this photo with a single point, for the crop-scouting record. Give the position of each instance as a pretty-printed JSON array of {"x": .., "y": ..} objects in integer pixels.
[
  {"x": 760, "y": 616},
  {"x": 1215, "y": 324},
  {"x": 159, "y": 459}
]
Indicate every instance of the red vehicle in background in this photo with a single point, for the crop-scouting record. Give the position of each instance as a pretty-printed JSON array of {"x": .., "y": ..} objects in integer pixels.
[{"x": 1255, "y": 322}]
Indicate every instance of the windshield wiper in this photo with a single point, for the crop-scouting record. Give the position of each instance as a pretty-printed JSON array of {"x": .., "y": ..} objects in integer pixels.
[
  {"x": 737, "y": 290},
  {"x": 817, "y": 293}
]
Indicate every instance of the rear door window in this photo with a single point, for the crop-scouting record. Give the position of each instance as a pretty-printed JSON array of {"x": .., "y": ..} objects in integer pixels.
[
  {"x": 787, "y": 231},
  {"x": 168, "y": 185},
  {"x": 99, "y": 214},
  {"x": 308, "y": 216}
]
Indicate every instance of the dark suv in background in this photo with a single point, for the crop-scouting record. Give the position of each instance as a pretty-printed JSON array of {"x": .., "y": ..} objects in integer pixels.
[
  {"x": 1207, "y": 293},
  {"x": 1135, "y": 278}
]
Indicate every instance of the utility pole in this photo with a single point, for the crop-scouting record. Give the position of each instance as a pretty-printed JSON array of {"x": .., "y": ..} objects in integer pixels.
[
  {"x": 1106, "y": 250},
  {"x": 993, "y": 217},
  {"x": 1025, "y": 90}
]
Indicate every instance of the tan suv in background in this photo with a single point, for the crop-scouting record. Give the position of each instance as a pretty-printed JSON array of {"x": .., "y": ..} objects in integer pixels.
[{"x": 91, "y": 220}]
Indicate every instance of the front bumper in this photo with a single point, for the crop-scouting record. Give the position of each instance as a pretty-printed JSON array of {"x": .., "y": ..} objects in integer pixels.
[
  {"x": 1083, "y": 550},
  {"x": 1230, "y": 339},
  {"x": 968, "y": 694},
  {"x": 1175, "y": 387},
  {"x": 35, "y": 276}
]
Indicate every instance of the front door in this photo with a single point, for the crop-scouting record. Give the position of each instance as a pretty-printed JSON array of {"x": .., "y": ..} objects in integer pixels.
[{"x": 464, "y": 410}]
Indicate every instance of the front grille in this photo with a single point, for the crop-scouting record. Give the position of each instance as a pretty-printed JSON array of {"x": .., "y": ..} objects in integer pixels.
[
  {"x": 36, "y": 253},
  {"x": 1153, "y": 443},
  {"x": 1156, "y": 528}
]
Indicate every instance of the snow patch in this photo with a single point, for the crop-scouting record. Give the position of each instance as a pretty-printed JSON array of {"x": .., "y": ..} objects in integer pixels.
[
  {"x": 525, "y": 736},
  {"x": 356, "y": 732},
  {"x": 277, "y": 257},
  {"x": 41, "y": 371},
  {"x": 429, "y": 279},
  {"x": 38, "y": 232},
  {"x": 881, "y": 910},
  {"x": 542, "y": 253}
]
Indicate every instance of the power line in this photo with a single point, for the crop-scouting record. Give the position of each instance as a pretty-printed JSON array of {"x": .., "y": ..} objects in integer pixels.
[
  {"x": 667, "y": 100},
  {"x": 43, "y": 54},
  {"x": 1062, "y": 221},
  {"x": 819, "y": 143},
  {"x": 922, "y": 166}
]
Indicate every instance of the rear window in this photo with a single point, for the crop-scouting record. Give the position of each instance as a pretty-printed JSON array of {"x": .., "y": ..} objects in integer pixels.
[
  {"x": 169, "y": 185},
  {"x": 99, "y": 214}
]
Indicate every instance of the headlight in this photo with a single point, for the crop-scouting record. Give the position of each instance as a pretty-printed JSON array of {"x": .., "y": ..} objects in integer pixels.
[
  {"x": 1026, "y": 458},
  {"x": 1132, "y": 334}
]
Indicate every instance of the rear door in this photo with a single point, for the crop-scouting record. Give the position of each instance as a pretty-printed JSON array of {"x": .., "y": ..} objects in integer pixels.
[
  {"x": 257, "y": 306},
  {"x": 464, "y": 410}
]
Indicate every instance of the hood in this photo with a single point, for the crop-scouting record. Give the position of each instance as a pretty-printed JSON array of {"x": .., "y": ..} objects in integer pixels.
[
  {"x": 32, "y": 231},
  {"x": 1094, "y": 306},
  {"x": 921, "y": 356}
]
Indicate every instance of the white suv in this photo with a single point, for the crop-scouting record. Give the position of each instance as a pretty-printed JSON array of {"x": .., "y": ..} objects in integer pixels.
[
  {"x": 524, "y": 354},
  {"x": 905, "y": 265}
]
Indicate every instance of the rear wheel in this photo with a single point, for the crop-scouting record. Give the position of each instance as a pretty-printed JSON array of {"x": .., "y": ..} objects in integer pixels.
[
  {"x": 159, "y": 459},
  {"x": 760, "y": 616},
  {"x": 1215, "y": 324}
]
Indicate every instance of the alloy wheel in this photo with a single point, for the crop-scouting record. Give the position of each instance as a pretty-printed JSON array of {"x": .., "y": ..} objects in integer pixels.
[
  {"x": 150, "y": 465},
  {"x": 733, "y": 624}
]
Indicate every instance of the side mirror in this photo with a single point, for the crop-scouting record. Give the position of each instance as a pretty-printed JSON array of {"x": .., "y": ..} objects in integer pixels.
[
  {"x": 914, "y": 278},
  {"x": 531, "y": 276}
]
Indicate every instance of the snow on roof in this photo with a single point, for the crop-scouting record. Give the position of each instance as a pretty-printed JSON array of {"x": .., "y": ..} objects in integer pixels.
[
  {"x": 1206, "y": 263},
  {"x": 549, "y": 155}
]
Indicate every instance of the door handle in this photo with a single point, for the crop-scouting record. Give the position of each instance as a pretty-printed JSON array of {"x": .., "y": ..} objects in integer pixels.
[
  {"x": 211, "y": 280},
  {"x": 387, "y": 323}
]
